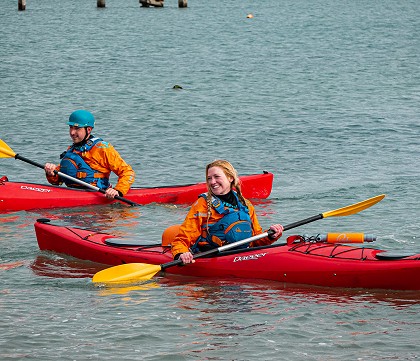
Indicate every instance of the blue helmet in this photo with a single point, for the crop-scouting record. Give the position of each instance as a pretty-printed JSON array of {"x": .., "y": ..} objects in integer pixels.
[{"x": 82, "y": 119}]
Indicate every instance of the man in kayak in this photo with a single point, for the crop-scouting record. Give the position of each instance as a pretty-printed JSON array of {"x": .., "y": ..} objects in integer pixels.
[
  {"x": 90, "y": 159},
  {"x": 220, "y": 216}
]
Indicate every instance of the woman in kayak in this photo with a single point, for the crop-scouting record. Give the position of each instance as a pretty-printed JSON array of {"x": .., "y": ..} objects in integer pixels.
[
  {"x": 90, "y": 159},
  {"x": 220, "y": 216}
]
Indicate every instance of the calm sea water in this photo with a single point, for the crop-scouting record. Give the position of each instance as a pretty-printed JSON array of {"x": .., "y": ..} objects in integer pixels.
[{"x": 323, "y": 94}]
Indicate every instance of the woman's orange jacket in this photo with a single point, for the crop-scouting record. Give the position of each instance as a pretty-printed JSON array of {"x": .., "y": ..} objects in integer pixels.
[
  {"x": 104, "y": 158},
  {"x": 192, "y": 227}
]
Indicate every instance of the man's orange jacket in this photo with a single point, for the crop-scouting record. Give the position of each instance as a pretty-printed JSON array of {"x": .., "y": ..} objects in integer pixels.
[{"x": 104, "y": 158}]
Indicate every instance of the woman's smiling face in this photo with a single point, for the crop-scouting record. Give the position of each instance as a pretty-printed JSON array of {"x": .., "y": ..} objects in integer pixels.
[{"x": 218, "y": 182}]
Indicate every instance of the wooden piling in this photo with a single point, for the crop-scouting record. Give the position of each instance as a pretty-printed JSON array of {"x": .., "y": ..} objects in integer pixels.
[
  {"x": 21, "y": 5},
  {"x": 182, "y": 3},
  {"x": 100, "y": 3}
]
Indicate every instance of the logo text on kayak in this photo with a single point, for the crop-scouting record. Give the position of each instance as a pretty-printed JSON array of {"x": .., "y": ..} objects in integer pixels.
[
  {"x": 36, "y": 189},
  {"x": 249, "y": 258}
]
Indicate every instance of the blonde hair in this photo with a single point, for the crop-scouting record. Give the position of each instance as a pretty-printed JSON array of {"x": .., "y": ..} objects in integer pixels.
[{"x": 229, "y": 171}]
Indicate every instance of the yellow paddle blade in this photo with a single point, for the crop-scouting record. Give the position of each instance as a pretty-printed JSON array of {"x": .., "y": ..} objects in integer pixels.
[
  {"x": 126, "y": 273},
  {"x": 354, "y": 208},
  {"x": 6, "y": 151}
]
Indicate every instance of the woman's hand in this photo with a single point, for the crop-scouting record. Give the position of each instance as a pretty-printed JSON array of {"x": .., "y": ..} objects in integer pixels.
[
  {"x": 278, "y": 231},
  {"x": 186, "y": 258},
  {"x": 50, "y": 168},
  {"x": 110, "y": 193}
]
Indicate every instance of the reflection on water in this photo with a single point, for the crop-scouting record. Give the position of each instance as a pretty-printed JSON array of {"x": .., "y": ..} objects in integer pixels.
[
  {"x": 259, "y": 295},
  {"x": 216, "y": 316},
  {"x": 58, "y": 266},
  {"x": 61, "y": 266},
  {"x": 125, "y": 290},
  {"x": 99, "y": 218},
  {"x": 242, "y": 294},
  {"x": 9, "y": 265}
]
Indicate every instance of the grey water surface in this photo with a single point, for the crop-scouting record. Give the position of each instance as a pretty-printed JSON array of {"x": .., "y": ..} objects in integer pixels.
[{"x": 324, "y": 94}]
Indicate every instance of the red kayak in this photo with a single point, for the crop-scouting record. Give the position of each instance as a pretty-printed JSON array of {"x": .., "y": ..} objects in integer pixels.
[
  {"x": 16, "y": 196},
  {"x": 301, "y": 261}
]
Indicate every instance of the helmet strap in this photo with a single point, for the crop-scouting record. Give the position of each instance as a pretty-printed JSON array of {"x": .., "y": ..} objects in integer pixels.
[{"x": 87, "y": 135}]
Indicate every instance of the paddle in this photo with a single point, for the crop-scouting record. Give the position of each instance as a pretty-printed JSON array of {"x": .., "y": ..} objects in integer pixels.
[
  {"x": 133, "y": 272},
  {"x": 7, "y": 152}
]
